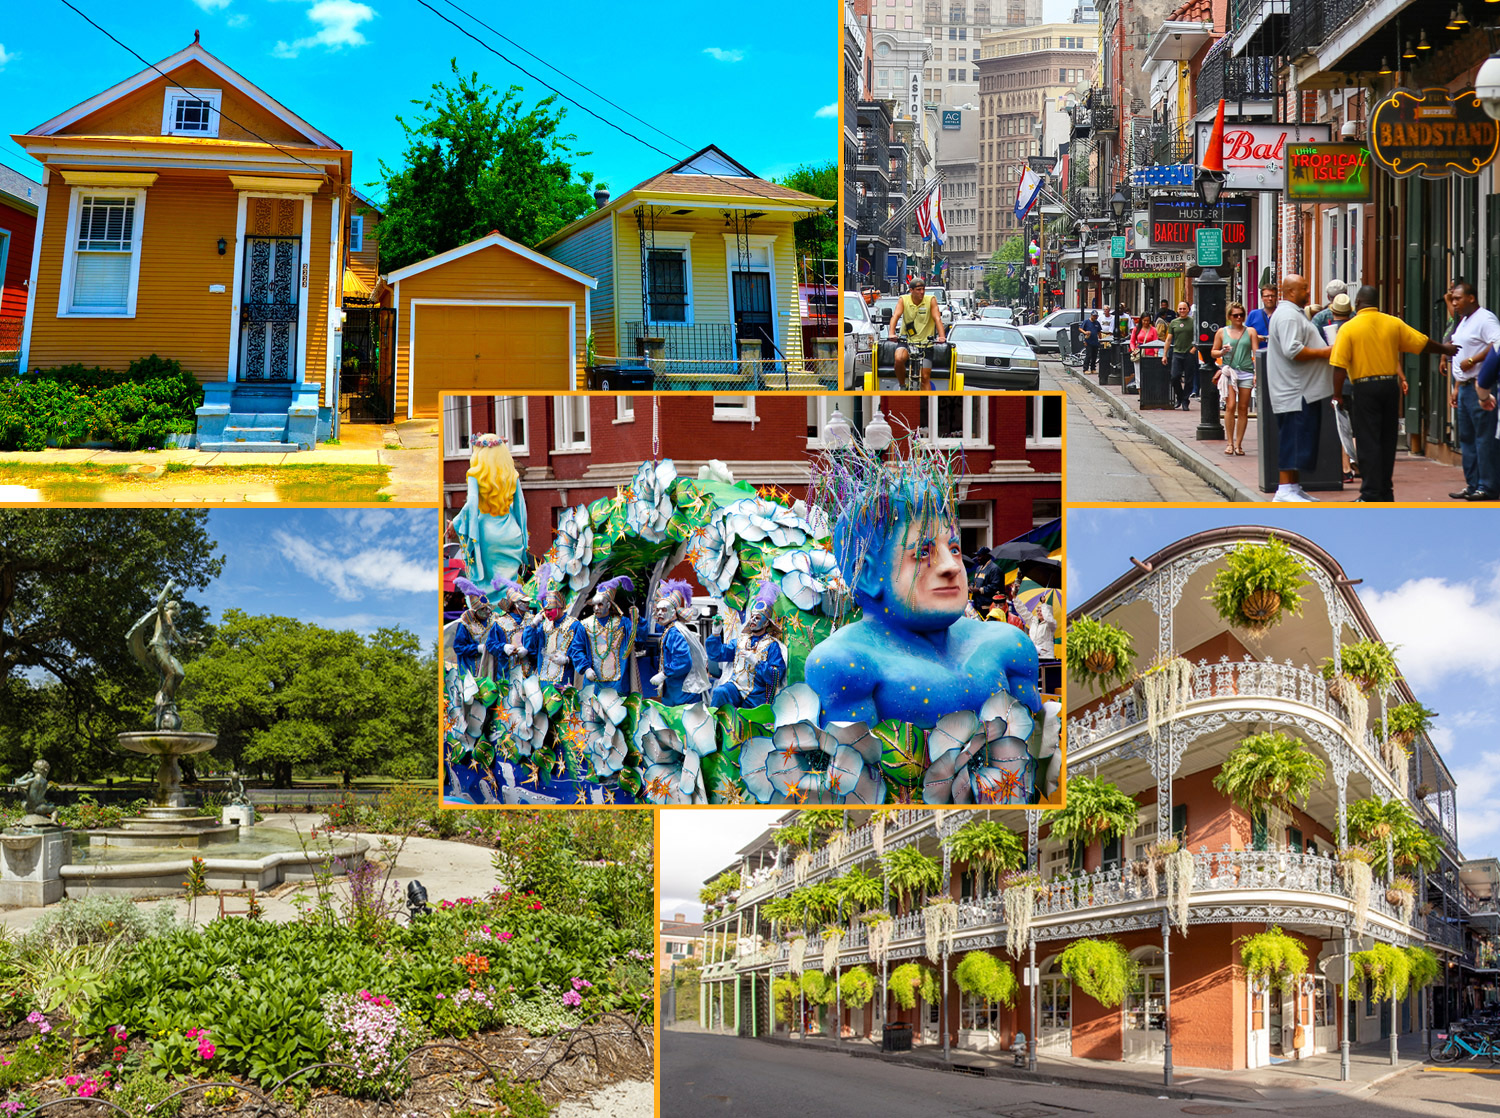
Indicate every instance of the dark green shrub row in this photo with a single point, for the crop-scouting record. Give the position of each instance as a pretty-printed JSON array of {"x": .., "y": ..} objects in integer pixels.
[{"x": 153, "y": 398}]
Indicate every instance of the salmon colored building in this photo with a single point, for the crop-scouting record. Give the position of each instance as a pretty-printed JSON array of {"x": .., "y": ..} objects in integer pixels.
[
  {"x": 188, "y": 213},
  {"x": 1194, "y": 1005}
]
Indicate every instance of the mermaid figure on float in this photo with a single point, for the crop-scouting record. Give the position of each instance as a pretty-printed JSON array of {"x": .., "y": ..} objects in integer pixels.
[
  {"x": 913, "y": 655},
  {"x": 491, "y": 526}
]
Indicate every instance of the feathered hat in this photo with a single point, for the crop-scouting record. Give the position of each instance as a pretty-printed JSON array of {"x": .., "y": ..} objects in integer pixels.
[
  {"x": 472, "y": 594},
  {"x": 766, "y": 593},
  {"x": 509, "y": 590},
  {"x": 676, "y": 591},
  {"x": 608, "y": 588},
  {"x": 548, "y": 582}
]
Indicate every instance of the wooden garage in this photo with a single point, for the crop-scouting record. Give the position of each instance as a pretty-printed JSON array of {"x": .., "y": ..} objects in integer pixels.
[{"x": 488, "y": 317}]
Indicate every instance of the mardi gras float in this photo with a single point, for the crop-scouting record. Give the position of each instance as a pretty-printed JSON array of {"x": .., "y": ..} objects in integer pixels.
[{"x": 832, "y": 656}]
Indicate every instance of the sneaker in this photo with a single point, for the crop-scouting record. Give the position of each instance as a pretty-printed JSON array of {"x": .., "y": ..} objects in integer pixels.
[
  {"x": 1304, "y": 495},
  {"x": 1292, "y": 496},
  {"x": 1462, "y": 494},
  {"x": 1482, "y": 495}
]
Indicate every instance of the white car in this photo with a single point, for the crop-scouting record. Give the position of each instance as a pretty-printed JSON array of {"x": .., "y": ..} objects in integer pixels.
[
  {"x": 860, "y": 337},
  {"x": 993, "y": 355},
  {"x": 1043, "y": 335}
]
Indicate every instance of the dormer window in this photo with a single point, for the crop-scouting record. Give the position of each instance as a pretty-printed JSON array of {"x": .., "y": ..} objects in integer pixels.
[{"x": 191, "y": 112}]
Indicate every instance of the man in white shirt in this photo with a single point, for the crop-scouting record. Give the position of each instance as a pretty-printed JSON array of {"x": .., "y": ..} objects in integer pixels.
[
  {"x": 1298, "y": 380},
  {"x": 1476, "y": 334}
]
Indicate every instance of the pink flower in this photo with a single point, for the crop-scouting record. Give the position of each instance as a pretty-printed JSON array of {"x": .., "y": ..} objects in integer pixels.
[
  {"x": 71, "y": 1080},
  {"x": 582, "y": 984},
  {"x": 507, "y": 936},
  {"x": 206, "y": 1050},
  {"x": 89, "y": 1089},
  {"x": 191, "y": 1034},
  {"x": 572, "y": 998}
]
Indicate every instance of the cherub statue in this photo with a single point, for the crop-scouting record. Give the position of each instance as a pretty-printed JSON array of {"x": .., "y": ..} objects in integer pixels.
[
  {"x": 33, "y": 789},
  {"x": 151, "y": 640}
]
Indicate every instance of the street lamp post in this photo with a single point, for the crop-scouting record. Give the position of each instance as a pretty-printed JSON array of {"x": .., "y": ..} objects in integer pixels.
[
  {"x": 1211, "y": 306},
  {"x": 1118, "y": 204}
]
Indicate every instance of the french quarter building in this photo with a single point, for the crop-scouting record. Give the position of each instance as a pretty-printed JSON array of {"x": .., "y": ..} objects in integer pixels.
[{"x": 1249, "y": 872}]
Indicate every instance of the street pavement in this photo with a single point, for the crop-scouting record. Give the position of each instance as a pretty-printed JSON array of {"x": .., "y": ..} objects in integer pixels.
[
  {"x": 1109, "y": 461},
  {"x": 1235, "y": 478},
  {"x": 713, "y": 1074}
]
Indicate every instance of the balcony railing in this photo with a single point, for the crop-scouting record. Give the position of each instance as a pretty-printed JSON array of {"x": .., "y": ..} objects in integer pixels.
[
  {"x": 1314, "y": 22},
  {"x": 1171, "y": 143},
  {"x": 1234, "y": 79}
]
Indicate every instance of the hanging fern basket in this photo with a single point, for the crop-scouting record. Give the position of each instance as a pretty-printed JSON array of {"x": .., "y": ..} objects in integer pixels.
[
  {"x": 1100, "y": 662},
  {"x": 1261, "y": 606}
]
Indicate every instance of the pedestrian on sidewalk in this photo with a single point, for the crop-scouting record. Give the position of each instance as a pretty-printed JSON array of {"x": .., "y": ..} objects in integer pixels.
[
  {"x": 1183, "y": 333},
  {"x": 1259, "y": 319},
  {"x": 1342, "y": 309},
  {"x": 1234, "y": 348},
  {"x": 1333, "y": 289},
  {"x": 1091, "y": 330},
  {"x": 1367, "y": 354},
  {"x": 1477, "y": 333},
  {"x": 1298, "y": 380}
]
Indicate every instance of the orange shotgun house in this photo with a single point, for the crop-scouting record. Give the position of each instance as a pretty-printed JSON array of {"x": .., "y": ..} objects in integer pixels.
[{"x": 188, "y": 213}]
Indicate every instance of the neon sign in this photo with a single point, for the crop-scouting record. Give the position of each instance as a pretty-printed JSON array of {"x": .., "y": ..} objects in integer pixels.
[{"x": 1328, "y": 173}]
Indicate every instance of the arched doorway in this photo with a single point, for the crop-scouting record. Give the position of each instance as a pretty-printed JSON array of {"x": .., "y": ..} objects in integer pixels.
[
  {"x": 1145, "y": 1024},
  {"x": 1055, "y": 992}
]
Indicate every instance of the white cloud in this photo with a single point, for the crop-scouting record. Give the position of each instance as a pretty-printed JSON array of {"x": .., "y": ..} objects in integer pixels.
[
  {"x": 722, "y": 55},
  {"x": 338, "y": 22},
  {"x": 1479, "y": 806},
  {"x": 351, "y": 576},
  {"x": 212, "y": 5},
  {"x": 828, "y": 111},
  {"x": 239, "y": 19},
  {"x": 1438, "y": 625},
  {"x": 696, "y": 845},
  {"x": 4, "y": 58}
]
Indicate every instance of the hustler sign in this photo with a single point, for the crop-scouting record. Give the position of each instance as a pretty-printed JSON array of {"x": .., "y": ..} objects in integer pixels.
[
  {"x": 1255, "y": 154},
  {"x": 1434, "y": 135},
  {"x": 1176, "y": 221}
]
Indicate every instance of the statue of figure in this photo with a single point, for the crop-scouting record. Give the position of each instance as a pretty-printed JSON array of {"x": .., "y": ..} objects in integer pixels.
[
  {"x": 151, "y": 640},
  {"x": 756, "y": 654},
  {"x": 913, "y": 655},
  {"x": 492, "y": 524},
  {"x": 237, "y": 788},
  {"x": 604, "y": 642},
  {"x": 549, "y": 635},
  {"x": 33, "y": 789},
  {"x": 683, "y": 676}
]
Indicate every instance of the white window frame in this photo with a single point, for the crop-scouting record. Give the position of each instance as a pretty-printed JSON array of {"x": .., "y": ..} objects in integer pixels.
[
  {"x": 458, "y": 426},
  {"x": 974, "y": 1013},
  {"x": 741, "y": 412},
  {"x": 1037, "y": 440},
  {"x": 70, "y": 252},
  {"x": 507, "y": 408},
  {"x": 1053, "y": 862},
  {"x": 175, "y": 94},
  {"x": 988, "y": 523},
  {"x": 624, "y": 409},
  {"x": 977, "y": 440},
  {"x": 672, "y": 241},
  {"x": 561, "y": 428},
  {"x": 1145, "y": 834},
  {"x": 357, "y": 233},
  {"x": 826, "y": 406},
  {"x": 5, "y": 236}
]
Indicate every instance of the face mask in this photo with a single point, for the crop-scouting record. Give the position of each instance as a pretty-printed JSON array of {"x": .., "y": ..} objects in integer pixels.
[{"x": 553, "y": 613}]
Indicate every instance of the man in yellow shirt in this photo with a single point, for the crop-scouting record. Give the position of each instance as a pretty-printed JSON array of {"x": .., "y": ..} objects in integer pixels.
[
  {"x": 919, "y": 320},
  {"x": 1366, "y": 361}
]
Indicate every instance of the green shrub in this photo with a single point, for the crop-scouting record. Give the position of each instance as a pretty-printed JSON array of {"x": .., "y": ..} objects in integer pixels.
[
  {"x": 1273, "y": 956},
  {"x": 910, "y": 979},
  {"x": 152, "y": 399},
  {"x": 857, "y": 987},
  {"x": 1101, "y": 968},
  {"x": 143, "y": 1095}
]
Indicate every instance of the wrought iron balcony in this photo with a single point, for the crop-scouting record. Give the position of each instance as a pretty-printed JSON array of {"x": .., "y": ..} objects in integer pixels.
[
  {"x": 1314, "y": 22},
  {"x": 1171, "y": 143},
  {"x": 1251, "y": 78}
]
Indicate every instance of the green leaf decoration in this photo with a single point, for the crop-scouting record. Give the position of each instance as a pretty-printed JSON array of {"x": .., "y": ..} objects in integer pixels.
[{"x": 903, "y": 752}]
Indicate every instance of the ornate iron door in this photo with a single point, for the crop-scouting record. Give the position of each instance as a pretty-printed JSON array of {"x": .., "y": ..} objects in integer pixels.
[{"x": 268, "y": 309}]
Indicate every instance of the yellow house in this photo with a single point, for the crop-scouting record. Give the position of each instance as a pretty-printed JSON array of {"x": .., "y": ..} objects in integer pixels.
[
  {"x": 194, "y": 216},
  {"x": 697, "y": 273}
]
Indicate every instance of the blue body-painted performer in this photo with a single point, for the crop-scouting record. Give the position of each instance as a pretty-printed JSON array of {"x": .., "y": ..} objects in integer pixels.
[
  {"x": 603, "y": 643},
  {"x": 475, "y": 641},
  {"x": 756, "y": 655},
  {"x": 683, "y": 675},
  {"x": 913, "y": 656},
  {"x": 549, "y": 637}
]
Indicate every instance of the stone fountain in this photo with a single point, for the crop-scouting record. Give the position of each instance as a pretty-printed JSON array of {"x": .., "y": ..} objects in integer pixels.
[{"x": 33, "y": 852}]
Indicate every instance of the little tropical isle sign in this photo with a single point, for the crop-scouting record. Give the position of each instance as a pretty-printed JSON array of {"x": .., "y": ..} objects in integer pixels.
[
  {"x": 1432, "y": 133},
  {"x": 1328, "y": 173}
]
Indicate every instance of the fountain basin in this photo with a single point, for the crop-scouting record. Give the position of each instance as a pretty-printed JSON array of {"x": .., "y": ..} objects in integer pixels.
[{"x": 167, "y": 746}]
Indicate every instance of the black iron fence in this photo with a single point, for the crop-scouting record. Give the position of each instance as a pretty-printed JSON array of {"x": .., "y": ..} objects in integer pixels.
[
  {"x": 709, "y": 357},
  {"x": 1234, "y": 79},
  {"x": 1312, "y": 23},
  {"x": 367, "y": 379}
]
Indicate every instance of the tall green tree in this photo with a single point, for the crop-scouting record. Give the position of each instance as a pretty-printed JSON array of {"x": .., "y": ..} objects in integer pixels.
[
  {"x": 478, "y": 160},
  {"x": 1002, "y": 286},
  {"x": 817, "y": 236}
]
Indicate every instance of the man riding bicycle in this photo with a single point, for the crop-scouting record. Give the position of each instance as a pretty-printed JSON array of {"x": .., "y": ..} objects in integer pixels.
[{"x": 917, "y": 313}]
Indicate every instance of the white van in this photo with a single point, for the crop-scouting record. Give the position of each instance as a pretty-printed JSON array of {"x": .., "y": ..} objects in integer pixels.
[{"x": 962, "y": 301}]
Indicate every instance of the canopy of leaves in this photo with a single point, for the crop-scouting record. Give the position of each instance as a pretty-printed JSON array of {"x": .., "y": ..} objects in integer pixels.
[
  {"x": 910, "y": 979},
  {"x": 1270, "y": 769},
  {"x": 1378, "y": 821},
  {"x": 985, "y": 976},
  {"x": 816, "y": 236},
  {"x": 1273, "y": 956},
  {"x": 1424, "y": 966},
  {"x": 1101, "y": 968},
  {"x": 856, "y": 987},
  {"x": 817, "y": 987},
  {"x": 910, "y": 873},
  {"x": 476, "y": 161},
  {"x": 989, "y": 845},
  {"x": 856, "y": 891},
  {"x": 1001, "y": 286},
  {"x": 1094, "y": 808}
]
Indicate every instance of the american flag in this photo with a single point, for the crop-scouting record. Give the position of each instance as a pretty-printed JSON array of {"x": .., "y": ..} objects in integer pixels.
[{"x": 930, "y": 216}]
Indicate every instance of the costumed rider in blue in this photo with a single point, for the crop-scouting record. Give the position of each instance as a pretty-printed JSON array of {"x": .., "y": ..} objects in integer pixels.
[
  {"x": 476, "y": 642},
  {"x": 757, "y": 656},
  {"x": 604, "y": 642},
  {"x": 512, "y": 661},
  {"x": 913, "y": 655},
  {"x": 551, "y": 632},
  {"x": 683, "y": 676}
]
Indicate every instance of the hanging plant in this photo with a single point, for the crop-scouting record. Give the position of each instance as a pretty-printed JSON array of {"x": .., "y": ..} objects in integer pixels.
[
  {"x": 1099, "y": 653},
  {"x": 1101, "y": 968},
  {"x": 1166, "y": 689},
  {"x": 801, "y": 866},
  {"x": 1423, "y": 965},
  {"x": 816, "y": 987},
  {"x": 981, "y": 974},
  {"x": 940, "y": 922},
  {"x": 988, "y": 846},
  {"x": 1358, "y": 878},
  {"x": 910, "y": 979},
  {"x": 879, "y": 818},
  {"x": 792, "y": 836},
  {"x": 1386, "y": 968},
  {"x": 1370, "y": 664},
  {"x": 856, "y": 891},
  {"x": 837, "y": 842},
  {"x": 1177, "y": 869},
  {"x": 1401, "y": 894},
  {"x": 1383, "y": 823},
  {"x": 1258, "y": 585},
  {"x": 1402, "y": 725},
  {"x": 797, "y": 955},
  {"x": 1094, "y": 809},
  {"x": 1019, "y": 903},
  {"x": 880, "y": 928},
  {"x": 857, "y": 987},
  {"x": 910, "y": 874},
  {"x": 1273, "y": 957},
  {"x": 783, "y": 995},
  {"x": 1269, "y": 770},
  {"x": 831, "y": 938}
]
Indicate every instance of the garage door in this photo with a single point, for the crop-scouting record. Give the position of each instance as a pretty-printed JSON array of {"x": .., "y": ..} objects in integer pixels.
[{"x": 485, "y": 350}]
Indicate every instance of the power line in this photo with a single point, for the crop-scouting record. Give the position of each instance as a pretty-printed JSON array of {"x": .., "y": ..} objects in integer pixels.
[{"x": 189, "y": 92}]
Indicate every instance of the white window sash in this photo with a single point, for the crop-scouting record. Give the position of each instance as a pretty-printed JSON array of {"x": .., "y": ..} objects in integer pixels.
[
  {"x": 509, "y": 409},
  {"x": 562, "y": 412},
  {"x": 457, "y": 427},
  {"x": 174, "y": 94},
  {"x": 1039, "y": 439},
  {"x": 357, "y": 233},
  {"x": 67, "y": 306},
  {"x": 624, "y": 409},
  {"x": 734, "y": 409}
]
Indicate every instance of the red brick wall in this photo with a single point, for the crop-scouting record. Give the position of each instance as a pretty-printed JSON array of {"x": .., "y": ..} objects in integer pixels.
[{"x": 22, "y": 228}]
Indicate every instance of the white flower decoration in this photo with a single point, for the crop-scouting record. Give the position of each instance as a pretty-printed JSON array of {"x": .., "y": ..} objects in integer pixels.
[
  {"x": 602, "y": 712},
  {"x": 674, "y": 760},
  {"x": 756, "y": 519},
  {"x": 574, "y": 544},
  {"x": 650, "y": 510},
  {"x": 981, "y": 758},
  {"x": 715, "y": 561},
  {"x": 801, "y": 763},
  {"x": 811, "y": 578}
]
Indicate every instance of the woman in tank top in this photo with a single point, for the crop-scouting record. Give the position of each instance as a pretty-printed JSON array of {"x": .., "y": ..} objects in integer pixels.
[{"x": 1234, "y": 349}]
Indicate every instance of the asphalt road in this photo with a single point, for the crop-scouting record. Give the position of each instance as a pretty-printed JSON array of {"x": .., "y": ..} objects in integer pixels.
[
  {"x": 717, "y": 1075},
  {"x": 1108, "y": 461}
]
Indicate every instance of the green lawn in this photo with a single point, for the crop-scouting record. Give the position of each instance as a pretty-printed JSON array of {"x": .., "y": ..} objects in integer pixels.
[{"x": 303, "y": 484}]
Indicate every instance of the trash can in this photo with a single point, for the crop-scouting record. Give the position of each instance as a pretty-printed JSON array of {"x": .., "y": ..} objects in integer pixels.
[
  {"x": 1153, "y": 378},
  {"x": 895, "y": 1037},
  {"x": 1327, "y": 473},
  {"x": 621, "y": 376},
  {"x": 1109, "y": 363},
  {"x": 1127, "y": 372}
]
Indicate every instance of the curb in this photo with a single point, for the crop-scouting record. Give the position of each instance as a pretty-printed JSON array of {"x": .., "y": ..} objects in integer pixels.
[{"x": 1193, "y": 461}]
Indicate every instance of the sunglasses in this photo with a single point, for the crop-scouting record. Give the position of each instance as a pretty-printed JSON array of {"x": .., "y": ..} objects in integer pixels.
[{"x": 1236, "y": 314}]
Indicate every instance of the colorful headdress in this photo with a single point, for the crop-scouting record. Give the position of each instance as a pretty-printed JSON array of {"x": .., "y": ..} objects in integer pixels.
[
  {"x": 549, "y": 582},
  {"x": 486, "y": 440},
  {"x": 472, "y": 594},
  {"x": 676, "y": 591},
  {"x": 764, "y": 602},
  {"x": 608, "y": 588},
  {"x": 509, "y": 590}
]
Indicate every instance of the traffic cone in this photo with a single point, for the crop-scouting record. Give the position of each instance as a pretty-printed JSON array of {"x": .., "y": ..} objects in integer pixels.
[{"x": 1213, "y": 154}]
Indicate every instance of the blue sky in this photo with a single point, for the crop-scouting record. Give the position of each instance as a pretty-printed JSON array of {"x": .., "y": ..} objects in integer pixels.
[
  {"x": 341, "y": 568},
  {"x": 1431, "y": 584},
  {"x": 763, "y": 89}
]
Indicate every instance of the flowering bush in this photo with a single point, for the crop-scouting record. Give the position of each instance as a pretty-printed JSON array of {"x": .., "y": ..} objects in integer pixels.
[{"x": 373, "y": 1035}]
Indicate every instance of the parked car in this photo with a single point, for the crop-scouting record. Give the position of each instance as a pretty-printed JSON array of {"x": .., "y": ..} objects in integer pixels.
[
  {"x": 1043, "y": 335},
  {"x": 993, "y": 355},
  {"x": 884, "y": 308},
  {"x": 1003, "y": 314},
  {"x": 860, "y": 336}
]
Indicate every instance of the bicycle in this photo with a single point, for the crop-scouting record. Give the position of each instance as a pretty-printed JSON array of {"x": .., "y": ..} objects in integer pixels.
[
  {"x": 1466, "y": 1044},
  {"x": 943, "y": 356}
]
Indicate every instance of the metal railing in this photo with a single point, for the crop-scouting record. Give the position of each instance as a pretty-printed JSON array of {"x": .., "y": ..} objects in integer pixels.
[
  {"x": 1313, "y": 22},
  {"x": 711, "y": 357},
  {"x": 11, "y": 329},
  {"x": 1171, "y": 143},
  {"x": 1244, "y": 12},
  {"x": 1251, "y": 78}
]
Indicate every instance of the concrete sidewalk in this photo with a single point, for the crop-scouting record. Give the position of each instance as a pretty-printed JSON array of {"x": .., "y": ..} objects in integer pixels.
[
  {"x": 1295, "y": 1082},
  {"x": 1416, "y": 478}
]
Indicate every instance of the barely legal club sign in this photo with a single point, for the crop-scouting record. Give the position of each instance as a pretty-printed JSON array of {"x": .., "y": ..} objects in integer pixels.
[
  {"x": 1175, "y": 222},
  {"x": 1432, "y": 133}
]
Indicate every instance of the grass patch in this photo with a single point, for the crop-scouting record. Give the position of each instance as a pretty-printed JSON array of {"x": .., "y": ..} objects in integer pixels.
[
  {"x": 331, "y": 483},
  {"x": 81, "y": 483}
]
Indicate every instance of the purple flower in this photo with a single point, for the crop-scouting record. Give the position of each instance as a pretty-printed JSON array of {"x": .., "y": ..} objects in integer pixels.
[{"x": 572, "y": 998}]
